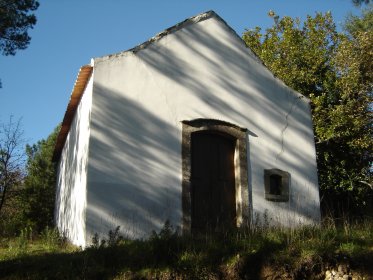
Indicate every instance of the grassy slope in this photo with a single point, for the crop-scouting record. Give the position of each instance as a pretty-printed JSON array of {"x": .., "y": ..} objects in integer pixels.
[{"x": 297, "y": 254}]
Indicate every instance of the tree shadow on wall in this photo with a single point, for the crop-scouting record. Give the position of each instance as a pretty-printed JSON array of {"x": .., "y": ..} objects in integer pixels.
[
  {"x": 135, "y": 155},
  {"x": 238, "y": 90},
  {"x": 134, "y": 167}
]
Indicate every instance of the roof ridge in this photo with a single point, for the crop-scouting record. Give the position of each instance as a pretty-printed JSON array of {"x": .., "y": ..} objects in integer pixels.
[{"x": 176, "y": 27}]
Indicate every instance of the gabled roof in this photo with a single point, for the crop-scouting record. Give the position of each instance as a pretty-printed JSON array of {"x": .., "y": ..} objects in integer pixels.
[
  {"x": 86, "y": 71},
  {"x": 189, "y": 21},
  {"x": 77, "y": 93},
  {"x": 176, "y": 27}
]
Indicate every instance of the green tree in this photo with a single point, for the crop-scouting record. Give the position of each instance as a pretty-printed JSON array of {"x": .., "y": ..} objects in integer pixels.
[
  {"x": 39, "y": 185},
  {"x": 16, "y": 18},
  {"x": 334, "y": 70},
  {"x": 356, "y": 24}
]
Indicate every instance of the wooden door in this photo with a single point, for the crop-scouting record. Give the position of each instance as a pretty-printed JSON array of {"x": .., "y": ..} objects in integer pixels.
[{"x": 212, "y": 181}]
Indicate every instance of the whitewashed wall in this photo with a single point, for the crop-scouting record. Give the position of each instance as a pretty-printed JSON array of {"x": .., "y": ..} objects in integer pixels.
[
  {"x": 72, "y": 174},
  {"x": 200, "y": 71}
]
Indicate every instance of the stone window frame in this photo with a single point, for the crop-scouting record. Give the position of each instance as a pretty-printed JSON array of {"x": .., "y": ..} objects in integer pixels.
[
  {"x": 240, "y": 163},
  {"x": 285, "y": 185}
]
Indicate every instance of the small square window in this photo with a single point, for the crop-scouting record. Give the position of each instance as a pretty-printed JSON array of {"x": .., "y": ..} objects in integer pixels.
[{"x": 276, "y": 183}]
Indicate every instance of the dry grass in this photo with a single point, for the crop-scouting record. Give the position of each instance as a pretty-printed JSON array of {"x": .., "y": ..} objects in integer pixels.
[{"x": 248, "y": 254}]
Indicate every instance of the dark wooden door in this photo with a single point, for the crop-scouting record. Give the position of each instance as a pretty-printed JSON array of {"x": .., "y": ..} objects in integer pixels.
[{"x": 212, "y": 181}]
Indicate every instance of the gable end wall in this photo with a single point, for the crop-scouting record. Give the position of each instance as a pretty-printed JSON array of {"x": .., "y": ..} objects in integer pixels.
[{"x": 139, "y": 100}]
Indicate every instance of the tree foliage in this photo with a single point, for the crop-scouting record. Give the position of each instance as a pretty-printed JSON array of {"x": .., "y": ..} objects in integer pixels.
[
  {"x": 39, "y": 185},
  {"x": 16, "y": 18},
  {"x": 334, "y": 70},
  {"x": 356, "y": 24},
  {"x": 358, "y": 3}
]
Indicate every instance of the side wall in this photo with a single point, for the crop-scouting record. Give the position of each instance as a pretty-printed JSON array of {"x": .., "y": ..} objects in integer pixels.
[
  {"x": 140, "y": 99},
  {"x": 72, "y": 174}
]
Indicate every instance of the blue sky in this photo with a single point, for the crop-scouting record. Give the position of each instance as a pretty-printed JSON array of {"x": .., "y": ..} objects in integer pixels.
[{"x": 37, "y": 82}]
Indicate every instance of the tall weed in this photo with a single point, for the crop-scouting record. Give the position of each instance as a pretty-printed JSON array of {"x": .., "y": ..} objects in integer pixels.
[
  {"x": 51, "y": 239},
  {"x": 238, "y": 252}
]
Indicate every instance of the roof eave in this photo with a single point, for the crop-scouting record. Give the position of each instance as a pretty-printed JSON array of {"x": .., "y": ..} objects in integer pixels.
[{"x": 80, "y": 85}]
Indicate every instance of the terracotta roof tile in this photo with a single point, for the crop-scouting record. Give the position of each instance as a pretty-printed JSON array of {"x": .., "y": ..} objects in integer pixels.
[{"x": 76, "y": 95}]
